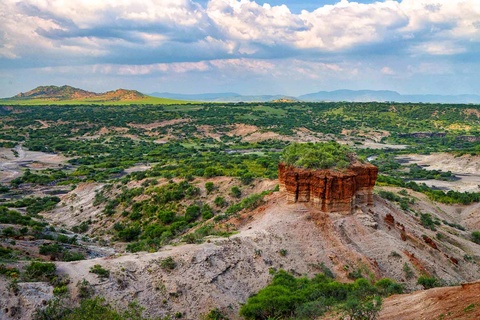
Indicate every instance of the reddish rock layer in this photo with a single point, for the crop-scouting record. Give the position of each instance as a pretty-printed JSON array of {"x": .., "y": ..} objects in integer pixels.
[{"x": 331, "y": 191}]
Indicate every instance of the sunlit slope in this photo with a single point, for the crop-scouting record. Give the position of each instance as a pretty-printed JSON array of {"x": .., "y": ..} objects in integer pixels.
[{"x": 67, "y": 95}]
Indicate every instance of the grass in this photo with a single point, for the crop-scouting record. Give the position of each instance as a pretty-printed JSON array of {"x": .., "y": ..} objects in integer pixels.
[{"x": 92, "y": 101}]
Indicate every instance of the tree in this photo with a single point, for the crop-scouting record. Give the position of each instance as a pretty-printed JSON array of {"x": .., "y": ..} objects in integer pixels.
[{"x": 209, "y": 186}]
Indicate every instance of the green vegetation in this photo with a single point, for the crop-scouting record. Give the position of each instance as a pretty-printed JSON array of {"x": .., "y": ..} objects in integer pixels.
[
  {"x": 476, "y": 237},
  {"x": 39, "y": 271},
  {"x": 428, "y": 282},
  {"x": 287, "y": 297},
  {"x": 317, "y": 155},
  {"x": 100, "y": 271},
  {"x": 171, "y": 151},
  {"x": 89, "y": 309},
  {"x": 168, "y": 264}
]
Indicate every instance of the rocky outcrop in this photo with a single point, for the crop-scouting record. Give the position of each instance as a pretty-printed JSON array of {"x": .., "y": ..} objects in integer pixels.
[{"x": 331, "y": 191}]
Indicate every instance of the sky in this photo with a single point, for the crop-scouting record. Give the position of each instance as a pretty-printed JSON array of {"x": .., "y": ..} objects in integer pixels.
[{"x": 289, "y": 47}]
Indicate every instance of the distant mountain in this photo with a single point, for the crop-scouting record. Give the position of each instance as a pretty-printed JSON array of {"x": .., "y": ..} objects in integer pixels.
[
  {"x": 225, "y": 96},
  {"x": 352, "y": 95},
  {"x": 385, "y": 95},
  {"x": 67, "y": 95},
  {"x": 54, "y": 92},
  {"x": 71, "y": 93},
  {"x": 222, "y": 97},
  {"x": 337, "y": 95}
]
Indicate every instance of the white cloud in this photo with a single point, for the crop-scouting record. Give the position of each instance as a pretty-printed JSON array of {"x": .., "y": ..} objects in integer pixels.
[
  {"x": 387, "y": 71},
  {"x": 439, "y": 48},
  {"x": 237, "y": 28},
  {"x": 237, "y": 37},
  {"x": 345, "y": 25}
]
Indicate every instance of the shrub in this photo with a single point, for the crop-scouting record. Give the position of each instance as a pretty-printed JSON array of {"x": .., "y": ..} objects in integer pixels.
[
  {"x": 408, "y": 271},
  {"x": 476, "y": 237},
  {"x": 357, "y": 309},
  {"x": 82, "y": 227},
  {"x": 246, "y": 178},
  {"x": 85, "y": 290},
  {"x": 9, "y": 232},
  {"x": 209, "y": 186},
  {"x": 207, "y": 212},
  {"x": 387, "y": 287},
  {"x": 192, "y": 213},
  {"x": 427, "y": 221},
  {"x": 73, "y": 256},
  {"x": 100, "y": 271},
  {"x": 220, "y": 202},
  {"x": 236, "y": 192},
  {"x": 6, "y": 253},
  {"x": 59, "y": 291},
  {"x": 130, "y": 233},
  {"x": 166, "y": 216},
  {"x": 39, "y": 271},
  {"x": 214, "y": 314},
  {"x": 168, "y": 264},
  {"x": 427, "y": 282}
]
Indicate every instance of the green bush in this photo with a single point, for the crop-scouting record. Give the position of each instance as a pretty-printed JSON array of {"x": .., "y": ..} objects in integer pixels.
[
  {"x": 168, "y": 264},
  {"x": 387, "y": 287},
  {"x": 214, "y": 314},
  {"x": 476, "y": 237},
  {"x": 100, "y": 271},
  {"x": 427, "y": 221},
  {"x": 209, "y": 186},
  {"x": 207, "y": 212},
  {"x": 6, "y": 253},
  {"x": 236, "y": 192},
  {"x": 428, "y": 282},
  {"x": 166, "y": 216},
  {"x": 192, "y": 213},
  {"x": 220, "y": 202},
  {"x": 302, "y": 298},
  {"x": 39, "y": 271}
]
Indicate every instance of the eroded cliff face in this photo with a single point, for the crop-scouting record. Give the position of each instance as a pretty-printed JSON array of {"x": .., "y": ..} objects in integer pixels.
[{"x": 331, "y": 191}]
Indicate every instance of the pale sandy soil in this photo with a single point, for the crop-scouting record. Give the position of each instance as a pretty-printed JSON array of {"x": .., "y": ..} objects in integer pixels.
[
  {"x": 158, "y": 124},
  {"x": 446, "y": 162},
  {"x": 466, "y": 167},
  {"x": 460, "y": 302},
  {"x": 209, "y": 132},
  {"x": 242, "y": 130},
  {"x": 376, "y": 145},
  {"x": 11, "y": 166}
]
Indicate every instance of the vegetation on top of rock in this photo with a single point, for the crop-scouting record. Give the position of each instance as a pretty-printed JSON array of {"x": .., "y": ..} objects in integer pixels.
[{"x": 317, "y": 155}]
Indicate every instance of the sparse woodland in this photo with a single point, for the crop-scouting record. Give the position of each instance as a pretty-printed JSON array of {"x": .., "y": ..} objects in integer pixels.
[{"x": 186, "y": 174}]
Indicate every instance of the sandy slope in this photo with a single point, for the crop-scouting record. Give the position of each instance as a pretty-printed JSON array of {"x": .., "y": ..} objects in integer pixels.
[
  {"x": 222, "y": 273},
  {"x": 460, "y": 302}
]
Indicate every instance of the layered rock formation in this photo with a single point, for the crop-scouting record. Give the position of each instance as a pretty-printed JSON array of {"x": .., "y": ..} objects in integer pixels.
[{"x": 331, "y": 191}]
